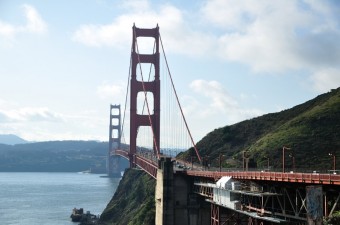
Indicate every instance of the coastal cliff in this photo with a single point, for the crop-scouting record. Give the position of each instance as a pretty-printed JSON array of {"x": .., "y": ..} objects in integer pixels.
[{"x": 133, "y": 201}]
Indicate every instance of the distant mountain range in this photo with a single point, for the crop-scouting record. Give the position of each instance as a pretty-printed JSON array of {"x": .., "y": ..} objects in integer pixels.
[
  {"x": 56, "y": 156},
  {"x": 11, "y": 139}
]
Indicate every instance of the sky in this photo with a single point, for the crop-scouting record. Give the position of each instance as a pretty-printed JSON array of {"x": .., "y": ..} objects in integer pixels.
[{"x": 62, "y": 63}]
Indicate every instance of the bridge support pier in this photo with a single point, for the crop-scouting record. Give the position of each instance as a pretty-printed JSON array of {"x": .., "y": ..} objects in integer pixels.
[
  {"x": 164, "y": 192},
  {"x": 314, "y": 202},
  {"x": 175, "y": 202},
  {"x": 114, "y": 167}
]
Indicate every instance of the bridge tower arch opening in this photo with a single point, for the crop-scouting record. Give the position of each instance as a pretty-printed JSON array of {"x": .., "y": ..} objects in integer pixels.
[
  {"x": 112, "y": 164},
  {"x": 140, "y": 85},
  {"x": 141, "y": 103}
]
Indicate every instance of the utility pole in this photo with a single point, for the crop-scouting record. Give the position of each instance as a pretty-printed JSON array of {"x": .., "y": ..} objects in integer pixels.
[
  {"x": 192, "y": 162},
  {"x": 267, "y": 157},
  {"x": 220, "y": 161},
  {"x": 291, "y": 155},
  {"x": 332, "y": 154},
  {"x": 245, "y": 160},
  {"x": 283, "y": 157}
]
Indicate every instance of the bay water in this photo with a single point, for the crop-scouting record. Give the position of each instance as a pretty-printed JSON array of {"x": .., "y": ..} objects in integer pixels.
[{"x": 48, "y": 198}]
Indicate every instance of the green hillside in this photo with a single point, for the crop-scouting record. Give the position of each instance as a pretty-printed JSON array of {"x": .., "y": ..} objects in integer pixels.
[
  {"x": 133, "y": 201},
  {"x": 311, "y": 130}
]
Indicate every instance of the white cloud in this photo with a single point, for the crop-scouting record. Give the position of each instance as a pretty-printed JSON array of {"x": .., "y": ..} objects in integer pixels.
[
  {"x": 179, "y": 37},
  {"x": 6, "y": 29},
  {"x": 43, "y": 124},
  {"x": 280, "y": 36},
  {"x": 213, "y": 101},
  {"x": 29, "y": 114},
  {"x": 119, "y": 31},
  {"x": 275, "y": 35},
  {"x": 326, "y": 79},
  {"x": 111, "y": 91},
  {"x": 220, "y": 100},
  {"x": 136, "y": 5},
  {"x": 210, "y": 106},
  {"x": 35, "y": 24},
  {"x": 268, "y": 36}
]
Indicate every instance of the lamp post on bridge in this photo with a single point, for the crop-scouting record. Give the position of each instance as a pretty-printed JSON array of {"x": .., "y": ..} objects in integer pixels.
[
  {"x": 245, "y": 160},
  {"x": 205, "y": 162},
  {"x": 267, "y": 157},
  {"x": 332, "y": 154},
  {"x": 220, "y": 161},
  {"x": 291, "y": 155},
  {"x": 192, "y": 162},
  {"x": 283, "y": 157}
]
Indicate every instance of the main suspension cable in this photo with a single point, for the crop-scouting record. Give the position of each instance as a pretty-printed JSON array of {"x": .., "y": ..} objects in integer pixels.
[{"x": 126, "y": 95}]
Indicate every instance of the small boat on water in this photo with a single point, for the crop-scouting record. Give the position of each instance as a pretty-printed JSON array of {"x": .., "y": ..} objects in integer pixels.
[
  {"x": 86, "y": 171},
  {"x": 78, "y": 215}
]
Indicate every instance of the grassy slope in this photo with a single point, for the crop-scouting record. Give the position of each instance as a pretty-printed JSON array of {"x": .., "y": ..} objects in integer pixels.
[
  {"x": 133, "y": 202},
  {"x": 311, "y": 129}
]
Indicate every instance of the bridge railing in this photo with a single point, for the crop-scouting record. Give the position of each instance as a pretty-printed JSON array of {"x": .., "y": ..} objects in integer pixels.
[
  {"x": 310, "y": 178},
  {"x": 149, "y": 165},
  {"x": 122, "y": 153}
]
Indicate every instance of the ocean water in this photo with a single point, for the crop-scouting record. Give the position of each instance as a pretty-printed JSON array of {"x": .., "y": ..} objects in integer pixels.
[{"x": 48, "y": 198}]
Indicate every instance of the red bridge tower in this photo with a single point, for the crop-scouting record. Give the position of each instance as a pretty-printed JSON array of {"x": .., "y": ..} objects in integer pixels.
[
  {"x": 112, "y": 164},
  {"x": 137, "y": 120}
]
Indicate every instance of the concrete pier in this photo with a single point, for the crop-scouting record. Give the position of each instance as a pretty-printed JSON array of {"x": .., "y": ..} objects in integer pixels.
[
  {"x": 164, "y": 193},
  {"x": 175, "y": 202},
  {"x": 314, "y": 202}
]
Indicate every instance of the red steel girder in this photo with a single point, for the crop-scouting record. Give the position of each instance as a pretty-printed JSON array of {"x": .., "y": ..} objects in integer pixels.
[
  {"x": 122, "y": 153},
  {"x": 145, "y": 164},
  {"x": 308, "y": 178}
]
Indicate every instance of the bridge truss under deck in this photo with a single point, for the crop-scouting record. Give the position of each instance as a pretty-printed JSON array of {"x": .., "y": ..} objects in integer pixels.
[{"x": 266, "y": 202}]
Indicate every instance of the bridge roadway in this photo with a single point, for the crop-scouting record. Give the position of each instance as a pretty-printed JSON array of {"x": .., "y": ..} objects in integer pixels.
[
  {"x": 288, "y": 194},
  {"x": 148, "y": 163}
]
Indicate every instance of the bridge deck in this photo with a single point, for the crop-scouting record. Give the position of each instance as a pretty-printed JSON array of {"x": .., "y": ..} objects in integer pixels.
[
  {"x": 308, "y": 178},
  {"x": 144, "y": 163}
]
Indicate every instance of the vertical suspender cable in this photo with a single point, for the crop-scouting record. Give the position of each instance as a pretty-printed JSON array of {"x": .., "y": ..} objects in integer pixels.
[
  {"x": 126, "y": 96},
  {"x": 180, "y": 107}
]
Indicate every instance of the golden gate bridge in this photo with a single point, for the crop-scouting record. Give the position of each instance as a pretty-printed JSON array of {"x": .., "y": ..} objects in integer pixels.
[{"x": 234, "y": 197}]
